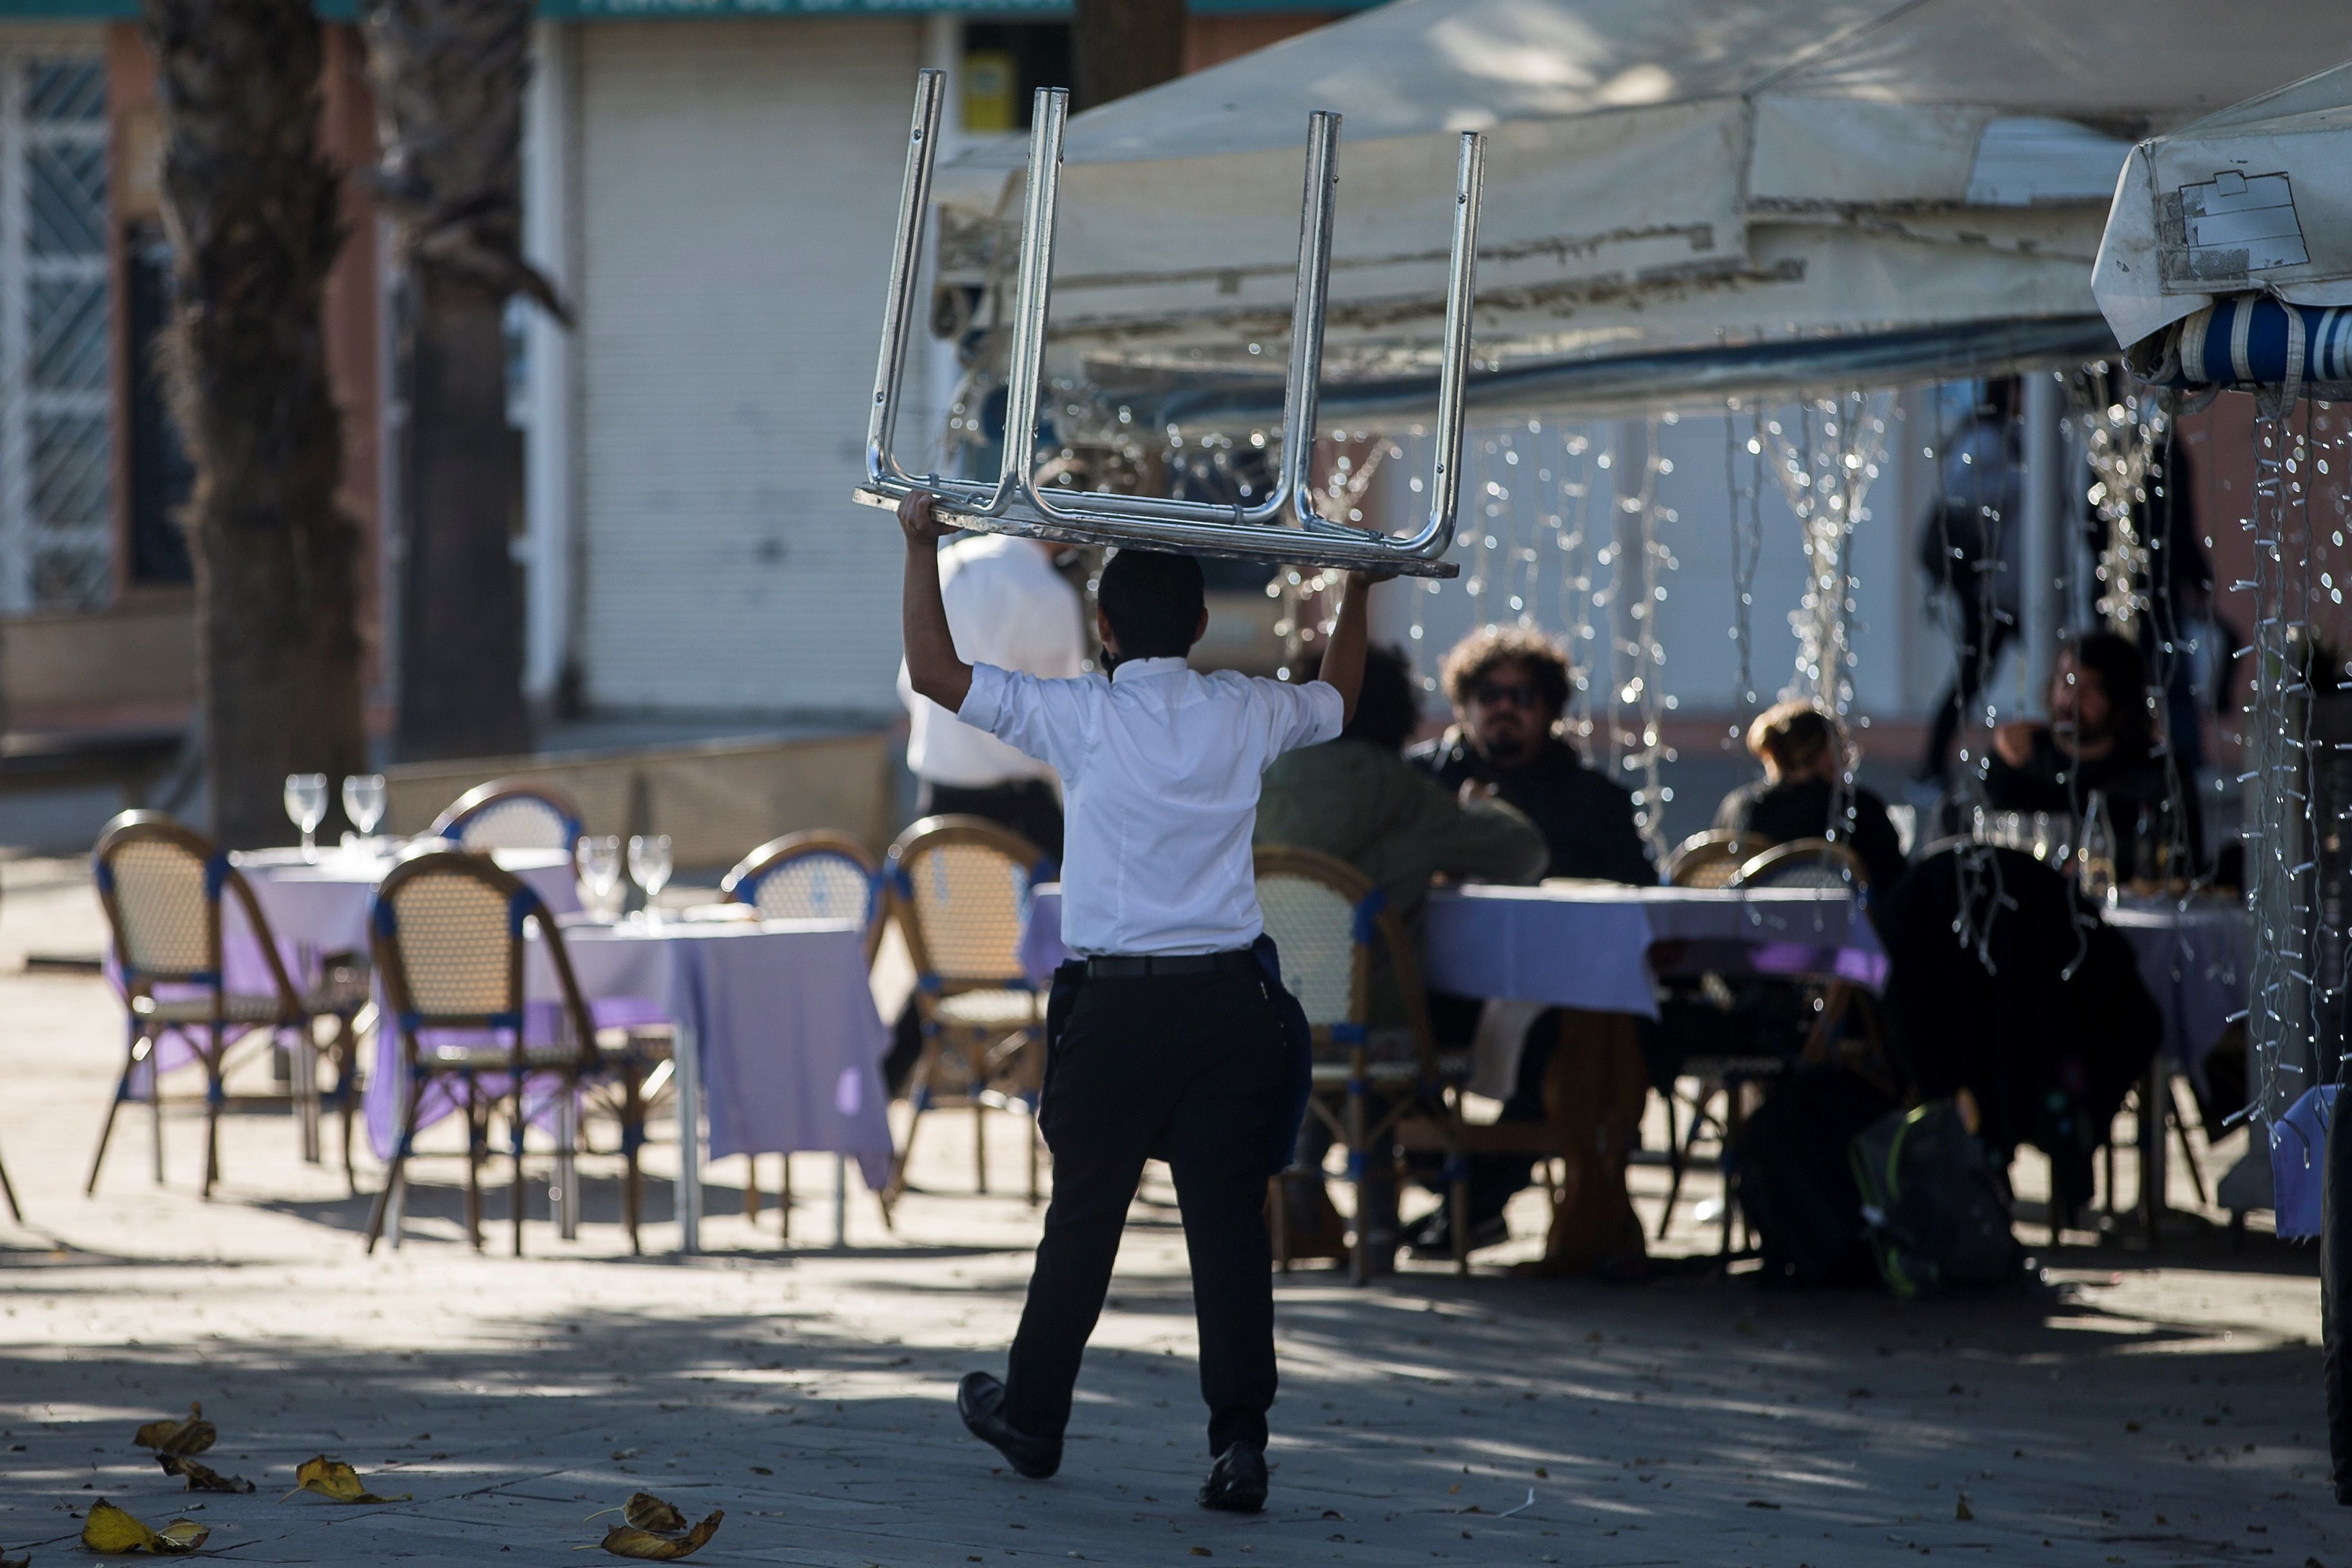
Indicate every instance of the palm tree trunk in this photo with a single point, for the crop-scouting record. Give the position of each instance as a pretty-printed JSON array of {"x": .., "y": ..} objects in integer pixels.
[
  {"x": 449, "y": 77},
  {"x": 250, "y": 206}
]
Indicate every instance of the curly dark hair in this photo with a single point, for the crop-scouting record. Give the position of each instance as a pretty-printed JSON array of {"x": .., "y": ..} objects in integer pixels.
[
  {"x": 2123, "y": 677},
  {"x": 1474, "y": 657},
  {"x": 1387, "y": 710}
]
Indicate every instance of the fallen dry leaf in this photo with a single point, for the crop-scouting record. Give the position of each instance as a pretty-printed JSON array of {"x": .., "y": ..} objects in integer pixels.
[
  {"x": 200, "y": 1478},
  {"x": 646, "y": 1511},
  {"x": 1960, "y": 1509},
  {"x": 336, "y": 1481},
  {"x": 658, "y": 1533},
  {"x": 193, "y": 1435},
  {"x": 106, "y": 1528}
]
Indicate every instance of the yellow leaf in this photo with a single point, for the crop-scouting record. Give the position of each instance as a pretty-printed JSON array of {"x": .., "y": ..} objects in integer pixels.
[
  {"x": 336, "y": 1481},
  {"x": 1960, "y": 1511},
  {"x": 193, "y": 1435},
  {"x": 646, "y": 1511},
  {"x": 628, "y": 1541},
  {"x": 200, "y": 1478},
  {"x": 106, "y": 1528}
]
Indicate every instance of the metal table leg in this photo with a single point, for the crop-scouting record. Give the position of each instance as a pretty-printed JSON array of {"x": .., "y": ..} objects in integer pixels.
[{"x": 686, "y": 1057}]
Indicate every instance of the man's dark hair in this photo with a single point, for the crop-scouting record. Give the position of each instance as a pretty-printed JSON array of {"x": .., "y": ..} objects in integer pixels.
[
  {"x": 1474, "y": 657},
  {"x": 2123, "y": 680},
  {"x": 1387, "y": 709},
  {"x": 1153, "y": 601}
]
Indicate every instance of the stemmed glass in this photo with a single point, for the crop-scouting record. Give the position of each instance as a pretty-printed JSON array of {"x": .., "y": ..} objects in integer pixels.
[
  {"x": 598, "y": 858},
  {"x": 306, "y": 803},
  {"x": 364, "y": 801},
  {"x": 649, "y": 868}
]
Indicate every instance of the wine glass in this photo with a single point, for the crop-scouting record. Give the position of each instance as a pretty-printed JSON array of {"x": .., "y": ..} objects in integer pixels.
[
  {"x": 649, "y": 868},
  {"x": 364, "y": 801},
  {"x": 598, "y": 859},
  {"x": 306, "y": 803}
]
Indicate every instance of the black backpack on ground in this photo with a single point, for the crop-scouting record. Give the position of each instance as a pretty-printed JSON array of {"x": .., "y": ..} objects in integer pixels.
[
  {"x": 1796, "y": 1183},
  {"x": 1937, "y": 1218}
]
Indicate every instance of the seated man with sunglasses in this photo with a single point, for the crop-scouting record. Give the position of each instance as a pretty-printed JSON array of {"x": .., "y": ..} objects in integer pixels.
[{"x": 1509, "y": 689}]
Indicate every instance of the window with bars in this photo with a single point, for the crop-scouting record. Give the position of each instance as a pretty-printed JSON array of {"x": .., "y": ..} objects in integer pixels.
[{"x": 56, "y": 534}]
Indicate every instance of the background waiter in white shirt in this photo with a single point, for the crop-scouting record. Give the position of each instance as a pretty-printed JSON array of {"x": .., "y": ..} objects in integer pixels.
[
  {"x": 1166, "y": 1039},
  {"x": 1006, "y": 606}
]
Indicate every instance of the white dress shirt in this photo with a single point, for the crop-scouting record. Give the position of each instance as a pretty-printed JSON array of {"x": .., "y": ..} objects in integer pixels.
[
  {"x": 1159, "y": 769},
  {"x": 1008, "y": 607}
]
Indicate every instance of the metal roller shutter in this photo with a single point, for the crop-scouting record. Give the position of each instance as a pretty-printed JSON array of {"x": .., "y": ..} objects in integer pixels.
[{"x": 738, "y": 183}]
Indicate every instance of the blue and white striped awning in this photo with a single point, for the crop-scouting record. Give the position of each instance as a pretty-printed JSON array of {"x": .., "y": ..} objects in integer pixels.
[{"x": 2251, "y": 341}]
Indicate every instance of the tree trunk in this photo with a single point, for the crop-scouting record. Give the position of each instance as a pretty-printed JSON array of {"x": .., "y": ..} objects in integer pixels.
[
  {"x": 250, "y": 206},
  {"x": 1125, "y": 46},
  {"x": 450, "y": 77}
]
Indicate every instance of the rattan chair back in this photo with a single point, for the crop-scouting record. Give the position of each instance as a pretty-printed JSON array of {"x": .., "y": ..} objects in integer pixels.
[
  {"x": 447, "y": 928},
  {"x": 162, "y": 883},
  {"x": 961, "y": 888},
  {"x": 810, "y": 877},
  {"x": 1309, "y": 903},
  {"x": 1713, "y": 859},
  {"x": 1806, "y": 863},
  {"x": 505, "y": 814}
]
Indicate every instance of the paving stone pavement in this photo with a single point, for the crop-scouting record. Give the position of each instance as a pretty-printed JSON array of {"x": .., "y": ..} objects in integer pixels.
[{"x": 2156, "y": 1409}]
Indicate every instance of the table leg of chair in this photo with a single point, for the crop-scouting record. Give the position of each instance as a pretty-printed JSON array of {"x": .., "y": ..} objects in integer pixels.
[
  {"x": 752, "y": 1188},
  {"x": 215, "y": 1091},
  {"x": 476, "y": 1136},
  {"x": 686, "y": 1059},
  {"x": 840, "y": 1200},
  {"x": 106, "y": 1128},
  {"x": 155, "y": 1104},
  {"x": 1359, "y": 1255},
  {"x": 978, "y": 1069},
  {"x": 2181, "y": 1130},
  {"x": 305, "y": 1091},
  {"x": 784, "y": 1198},
  {"x": 9, "y": 1192}
]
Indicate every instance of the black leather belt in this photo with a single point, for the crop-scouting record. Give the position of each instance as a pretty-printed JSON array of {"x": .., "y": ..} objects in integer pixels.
[{"x": 1239, "y": 961}]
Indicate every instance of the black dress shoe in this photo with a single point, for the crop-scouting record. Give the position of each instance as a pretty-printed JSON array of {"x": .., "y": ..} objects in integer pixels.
[
  {"x": 1433, "y": 1237},
  {"x": 979, "y": 1400},
  {"x": 1236, "y": 1481}
]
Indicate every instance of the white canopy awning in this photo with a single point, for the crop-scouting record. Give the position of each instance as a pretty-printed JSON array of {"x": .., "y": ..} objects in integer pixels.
[
  {"x": 2257, "y": 198},
  {"x": 1672, "y": 182}
]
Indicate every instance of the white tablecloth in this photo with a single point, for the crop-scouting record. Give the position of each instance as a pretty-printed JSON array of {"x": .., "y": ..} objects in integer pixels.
[
  {"x": 1600, "y": 947},
  {"x": 2196, "y": 963}
]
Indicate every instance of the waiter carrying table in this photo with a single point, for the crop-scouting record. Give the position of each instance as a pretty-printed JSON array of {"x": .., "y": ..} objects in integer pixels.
[{"x": 1170, "y": 1036}]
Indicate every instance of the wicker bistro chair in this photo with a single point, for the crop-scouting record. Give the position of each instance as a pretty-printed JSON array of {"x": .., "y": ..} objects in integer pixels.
[
  {"x": 1713, "y": 859},
  {"x": 161, "y": 884},
  {"x": 806, "y": 876},
  {"x": 1802, "y": 863},
  {"x": 505, "y": 814},
  {"x": 1374, "y": 1090},
  {"x": 447, "y": 931},
  {"x": 958, "y": 887}
]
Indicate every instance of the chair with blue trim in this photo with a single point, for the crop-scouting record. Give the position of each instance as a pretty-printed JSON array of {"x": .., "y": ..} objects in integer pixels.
[
  {"x": 508, "y": 814},
  {"x": 1330, "y": 922},
  {"x": 959, "y": 888},
  {"x": 448, "y": 935},
  {"x": 161, "y": 884},
  {"x": 814, "y": 875},
  {"x": 1713, "y": 859}
]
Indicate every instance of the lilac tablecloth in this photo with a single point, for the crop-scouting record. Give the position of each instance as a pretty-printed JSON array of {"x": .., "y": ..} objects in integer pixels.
[
  {"x": 1599, "y": 947},
  {"x": 788, "y": 1044},
  {"x": 2196, "y": 963}
]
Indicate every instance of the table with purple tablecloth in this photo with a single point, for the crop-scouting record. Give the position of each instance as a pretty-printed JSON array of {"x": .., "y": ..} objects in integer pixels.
[
  {"x": 318, "y": 906},
  {"x": 1600, "y": 947},
  {"x": 2195, "y": 961},
  {"x": 778, "y": 1044}
]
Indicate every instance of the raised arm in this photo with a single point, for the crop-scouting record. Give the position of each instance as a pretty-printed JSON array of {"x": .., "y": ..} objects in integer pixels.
[
  {"x": 933, "y": 667},
  {"x": 1343, "y": 655}
]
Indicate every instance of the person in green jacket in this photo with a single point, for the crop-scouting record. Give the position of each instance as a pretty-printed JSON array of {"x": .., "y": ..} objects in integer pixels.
[{"x": 1357, "y": 799}]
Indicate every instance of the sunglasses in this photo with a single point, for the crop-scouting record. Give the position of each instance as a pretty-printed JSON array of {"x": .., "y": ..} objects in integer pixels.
[{"x": 1494, "y": 694}]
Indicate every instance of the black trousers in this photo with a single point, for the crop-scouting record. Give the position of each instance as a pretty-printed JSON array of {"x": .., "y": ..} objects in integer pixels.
[
  {"x": 1189, "y": 1070},
  {"x": 1028, "y": 807}
]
